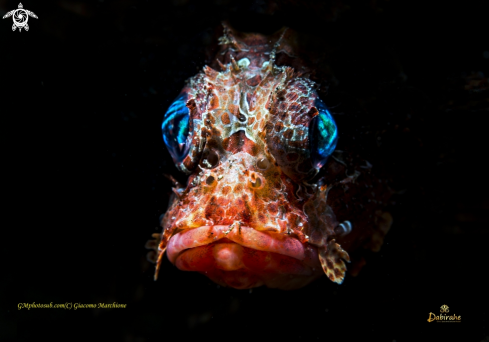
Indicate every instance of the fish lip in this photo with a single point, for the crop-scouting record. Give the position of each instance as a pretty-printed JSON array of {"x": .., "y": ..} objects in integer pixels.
[{"x": 244, "y": 236}]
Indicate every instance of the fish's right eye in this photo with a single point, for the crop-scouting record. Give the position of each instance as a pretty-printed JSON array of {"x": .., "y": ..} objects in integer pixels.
[{"x": 175, "y": 129}]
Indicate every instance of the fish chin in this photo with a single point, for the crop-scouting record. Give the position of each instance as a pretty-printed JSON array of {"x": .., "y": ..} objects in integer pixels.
[{"x": 243, "y": 258}]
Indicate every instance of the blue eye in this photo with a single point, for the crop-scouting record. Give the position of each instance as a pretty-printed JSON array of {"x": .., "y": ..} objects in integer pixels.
[
  {"x": 175, "y": 128},
  {"x": 323, "y": 135}
]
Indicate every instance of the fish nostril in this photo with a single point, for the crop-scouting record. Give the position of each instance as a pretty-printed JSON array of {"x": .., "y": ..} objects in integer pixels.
[
  {"x": 211, "y": 159},
  {"x": 263, "y": 163},
  {"x": 210, "y": 180},
  {"x": 256, "y": 181}
]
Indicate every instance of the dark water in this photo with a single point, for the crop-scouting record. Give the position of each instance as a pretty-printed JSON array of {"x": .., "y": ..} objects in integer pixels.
[{"x": 83, "y": 94}]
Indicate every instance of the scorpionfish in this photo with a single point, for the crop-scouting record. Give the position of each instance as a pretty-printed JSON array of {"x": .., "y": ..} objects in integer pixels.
[{"x": 252, "y": 134}]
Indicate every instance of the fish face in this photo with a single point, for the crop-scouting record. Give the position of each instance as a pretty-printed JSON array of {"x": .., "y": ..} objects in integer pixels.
[{"x": 251, "y": 136}]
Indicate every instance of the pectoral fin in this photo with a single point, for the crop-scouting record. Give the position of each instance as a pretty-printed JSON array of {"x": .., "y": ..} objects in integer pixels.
[
  {"x": 158, "y": 248},
  {"x": 153, "y": 245},
  {"x": 331, "y": 258}
]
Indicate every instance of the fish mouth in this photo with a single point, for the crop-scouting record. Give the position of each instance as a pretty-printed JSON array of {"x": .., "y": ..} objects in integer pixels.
[{"x": 243, "y": 257}]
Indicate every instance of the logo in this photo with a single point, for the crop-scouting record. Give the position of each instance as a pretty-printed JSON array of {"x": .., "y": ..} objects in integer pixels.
[
  {"x": 444, "y": 318},
  {"x": 20, "y": 17}
]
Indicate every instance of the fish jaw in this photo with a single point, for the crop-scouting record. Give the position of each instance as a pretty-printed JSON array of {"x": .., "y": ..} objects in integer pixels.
[{"x": 242, "y": 257}]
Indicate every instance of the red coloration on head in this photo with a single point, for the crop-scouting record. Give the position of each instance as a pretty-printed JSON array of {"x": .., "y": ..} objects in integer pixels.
[{"x": 247, "y": 216}]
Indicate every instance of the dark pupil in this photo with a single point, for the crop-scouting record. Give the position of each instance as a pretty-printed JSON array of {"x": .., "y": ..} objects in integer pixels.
[
  {"x": 323, "y": 135},
  {"x": 175, "y": 128}
]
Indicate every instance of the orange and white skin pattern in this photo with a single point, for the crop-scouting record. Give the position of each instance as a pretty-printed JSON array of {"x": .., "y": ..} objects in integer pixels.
[{"x": 249, "y": 214}]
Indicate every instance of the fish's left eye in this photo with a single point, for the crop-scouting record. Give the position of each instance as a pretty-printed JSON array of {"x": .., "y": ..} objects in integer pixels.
[
  {"x": 175, "y": 128},
  {"x": 323, "y": 135}
]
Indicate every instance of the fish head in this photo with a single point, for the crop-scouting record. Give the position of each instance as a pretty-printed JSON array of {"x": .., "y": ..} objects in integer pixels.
[{"x": 251, "y": 136}]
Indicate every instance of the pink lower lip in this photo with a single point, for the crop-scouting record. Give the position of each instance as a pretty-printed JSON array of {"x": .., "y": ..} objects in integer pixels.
[{"x": 246, "y": 236}]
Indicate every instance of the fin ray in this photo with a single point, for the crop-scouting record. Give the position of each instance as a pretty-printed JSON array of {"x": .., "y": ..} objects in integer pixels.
[{"x": 332, "y": 258}]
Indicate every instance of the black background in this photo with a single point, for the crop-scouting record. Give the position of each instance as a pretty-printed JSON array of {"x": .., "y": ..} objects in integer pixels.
[{"x": 83, "y": 93}]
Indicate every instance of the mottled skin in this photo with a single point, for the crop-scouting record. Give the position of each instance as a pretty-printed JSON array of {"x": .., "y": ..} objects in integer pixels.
[{"x": 249, "y": 162}]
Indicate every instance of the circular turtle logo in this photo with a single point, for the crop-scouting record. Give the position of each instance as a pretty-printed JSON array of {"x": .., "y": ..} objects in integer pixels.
[{"x": 20, "y": 17}]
